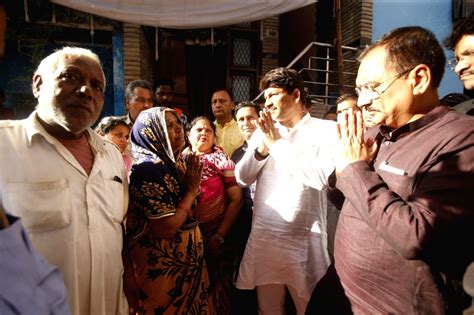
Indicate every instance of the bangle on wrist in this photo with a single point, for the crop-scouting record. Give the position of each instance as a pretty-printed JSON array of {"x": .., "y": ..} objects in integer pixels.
[
  {"x": 259, "y": 155},
  {"x": 185, "y": 209},
  {"x": 219, "y": 238}
]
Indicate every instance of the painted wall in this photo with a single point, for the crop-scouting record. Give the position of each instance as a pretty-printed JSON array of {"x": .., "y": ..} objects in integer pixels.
[{"x": 434, "y": 15}]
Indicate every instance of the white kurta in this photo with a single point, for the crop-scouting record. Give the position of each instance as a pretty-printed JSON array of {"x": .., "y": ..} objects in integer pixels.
[
  {"x": 74, "y": 219},
  {"x": 288, "y": 241}
]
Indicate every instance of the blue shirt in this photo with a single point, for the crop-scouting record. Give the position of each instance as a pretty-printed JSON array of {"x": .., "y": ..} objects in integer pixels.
[{"x": 28, "y": 284}]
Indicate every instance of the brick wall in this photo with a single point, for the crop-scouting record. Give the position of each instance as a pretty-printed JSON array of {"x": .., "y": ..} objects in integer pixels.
[
  {"x": 270, "y": 44},
  {"x": 137, "y": 60},
  {"x": 356, "y": 31}
]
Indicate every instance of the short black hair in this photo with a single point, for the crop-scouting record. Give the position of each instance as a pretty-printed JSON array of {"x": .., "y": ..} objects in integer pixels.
[
  {"x": 460, "y": 28},
  {"x": 225, "y": 90},
  {"x": 345, "y": 97},
  {"x": 287, "y": 79},
  {"x": 410, "y": 46},
  {"x": 247, "y": 104},
  {"x": 164, "y": 81}
]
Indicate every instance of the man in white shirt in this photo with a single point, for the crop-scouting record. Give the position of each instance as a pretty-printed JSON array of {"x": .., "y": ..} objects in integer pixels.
[
  {"x": 138, "y": 97},
  {"x": 228, "y": 136},
  {"x": 66, "y": 183},
  {"x": 290, "y": 161}
]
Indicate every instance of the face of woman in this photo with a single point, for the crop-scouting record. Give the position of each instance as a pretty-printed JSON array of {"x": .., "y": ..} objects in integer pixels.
[
  {"x": 119, "y": 136},
  {"x": 175, "y": 132},
  {"x": 201, "y": 136}
]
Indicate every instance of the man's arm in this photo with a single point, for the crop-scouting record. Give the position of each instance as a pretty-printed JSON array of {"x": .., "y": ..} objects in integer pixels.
[
  {"x": 248, "y": 168},
  {"x": 438, "y": 210},
  {"x": 442, "y": 201}
]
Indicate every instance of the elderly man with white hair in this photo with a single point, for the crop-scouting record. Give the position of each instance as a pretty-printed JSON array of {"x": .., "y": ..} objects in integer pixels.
[{"x": 66, "y": 183}]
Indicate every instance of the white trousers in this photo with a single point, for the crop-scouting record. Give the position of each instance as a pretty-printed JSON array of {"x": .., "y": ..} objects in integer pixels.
[{"x": 271, "y": 299}]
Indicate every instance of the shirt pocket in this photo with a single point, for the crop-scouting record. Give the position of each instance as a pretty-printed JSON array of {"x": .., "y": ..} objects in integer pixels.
[
  {"x": 115, "y": 199},
  {"x": 42, "y": 206}
]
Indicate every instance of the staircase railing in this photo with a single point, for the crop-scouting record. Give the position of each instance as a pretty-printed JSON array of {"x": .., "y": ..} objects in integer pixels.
[{"x": 323, "y": 64}]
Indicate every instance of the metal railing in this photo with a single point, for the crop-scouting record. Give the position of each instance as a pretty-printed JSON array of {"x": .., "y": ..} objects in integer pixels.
[{"x": 322, "y": 65}]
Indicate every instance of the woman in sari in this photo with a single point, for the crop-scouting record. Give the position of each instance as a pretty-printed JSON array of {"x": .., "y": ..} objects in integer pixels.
[
  {"x": 217, "y": 209},
  {"x": 165, "y": 247}
]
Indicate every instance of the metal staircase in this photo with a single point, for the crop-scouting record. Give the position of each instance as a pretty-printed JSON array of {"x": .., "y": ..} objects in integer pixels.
[{"x": 317, "y": 64}]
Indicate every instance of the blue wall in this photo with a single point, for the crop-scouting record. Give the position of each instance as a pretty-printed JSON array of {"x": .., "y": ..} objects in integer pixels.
[{"x": 434, "y": 15}]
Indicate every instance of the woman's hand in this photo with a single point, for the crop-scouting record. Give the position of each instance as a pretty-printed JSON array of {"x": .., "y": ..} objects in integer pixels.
[
  {"x": 213, "y": 244},
  {"x": 192, "y": 176}
]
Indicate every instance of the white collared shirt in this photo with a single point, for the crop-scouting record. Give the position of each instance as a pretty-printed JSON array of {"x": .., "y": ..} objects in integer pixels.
[{"x": 73, "y": 219}]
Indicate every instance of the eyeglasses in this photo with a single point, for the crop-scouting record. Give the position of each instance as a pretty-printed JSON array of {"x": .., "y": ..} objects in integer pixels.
[
  {"x": 452, "y": 63},
  {"x": 372, "y": 93}
]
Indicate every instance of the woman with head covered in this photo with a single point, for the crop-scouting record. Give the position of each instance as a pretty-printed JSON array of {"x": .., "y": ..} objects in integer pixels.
[{"x": 164, "y": 242}]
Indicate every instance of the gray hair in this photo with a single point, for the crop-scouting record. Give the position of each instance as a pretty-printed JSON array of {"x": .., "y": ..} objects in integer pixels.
[{"x": 50, "y": 62}]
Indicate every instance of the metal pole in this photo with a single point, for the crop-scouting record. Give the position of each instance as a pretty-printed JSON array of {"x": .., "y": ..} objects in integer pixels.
[
  {"x": 326, "y": 86},
  {"x": 340, "y": 67}
]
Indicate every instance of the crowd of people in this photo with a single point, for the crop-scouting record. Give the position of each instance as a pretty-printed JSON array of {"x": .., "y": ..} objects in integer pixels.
[{"x": 154, "y": 213}]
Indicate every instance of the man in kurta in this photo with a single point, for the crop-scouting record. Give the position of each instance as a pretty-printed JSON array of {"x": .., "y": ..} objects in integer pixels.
[
  {"x": 290, "y": 162},
  {"x": 404, "y": 234},
  {"x": 66, "y": 183},
  {"x": 228, "y": 136}
]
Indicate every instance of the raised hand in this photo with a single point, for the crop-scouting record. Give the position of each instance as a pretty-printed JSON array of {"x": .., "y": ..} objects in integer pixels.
[
  {"x": 267, "y": 126},
  {"x": 192, "y": 176},
  {"x": 352, "y": 146}
]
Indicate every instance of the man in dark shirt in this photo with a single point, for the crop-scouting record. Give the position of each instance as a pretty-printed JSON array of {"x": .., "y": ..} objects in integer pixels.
[
  {"x": 461, "y": 41},
  {"x": 244, "y": 301},
  {"x": 164, "y": 94},
  {"x": 407, "y": 222}
]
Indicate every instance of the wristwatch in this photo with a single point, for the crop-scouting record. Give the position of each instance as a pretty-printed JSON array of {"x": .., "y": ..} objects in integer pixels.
[
  {"x": 219, "y": 238},
  {"x": 259, "y": 155}
]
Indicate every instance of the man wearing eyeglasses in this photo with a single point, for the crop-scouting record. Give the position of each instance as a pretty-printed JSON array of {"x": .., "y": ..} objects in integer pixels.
[
  {"x": 404, "y": 228},
  {"x": 138, "y": 97},
  {"x": 461, "y": 42}
]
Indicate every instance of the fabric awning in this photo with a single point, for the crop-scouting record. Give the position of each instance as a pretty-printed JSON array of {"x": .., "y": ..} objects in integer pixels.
[{"x": 185, "y": 14}]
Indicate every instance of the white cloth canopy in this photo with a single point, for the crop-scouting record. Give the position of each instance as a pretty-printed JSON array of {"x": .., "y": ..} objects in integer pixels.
[{"x": 185, "y": 14}]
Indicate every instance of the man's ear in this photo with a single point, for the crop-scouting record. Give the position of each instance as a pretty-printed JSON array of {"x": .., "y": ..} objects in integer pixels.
[
  {"x": 127, "y": 104},
  {"x": 420, "y": 79},
  {"x": 297, "y": 95},
  {"x": 37, "y": 82}
]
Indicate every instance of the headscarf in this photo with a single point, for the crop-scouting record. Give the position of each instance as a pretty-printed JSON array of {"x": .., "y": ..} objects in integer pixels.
[{"x": 149, "y": 137}]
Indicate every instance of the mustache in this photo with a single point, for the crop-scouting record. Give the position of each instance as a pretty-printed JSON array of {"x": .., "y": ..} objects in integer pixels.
[{"x": 467, "y": 72}]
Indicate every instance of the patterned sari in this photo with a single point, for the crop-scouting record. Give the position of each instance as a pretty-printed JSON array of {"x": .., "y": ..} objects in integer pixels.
[{"x": 171, "y": 274}]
